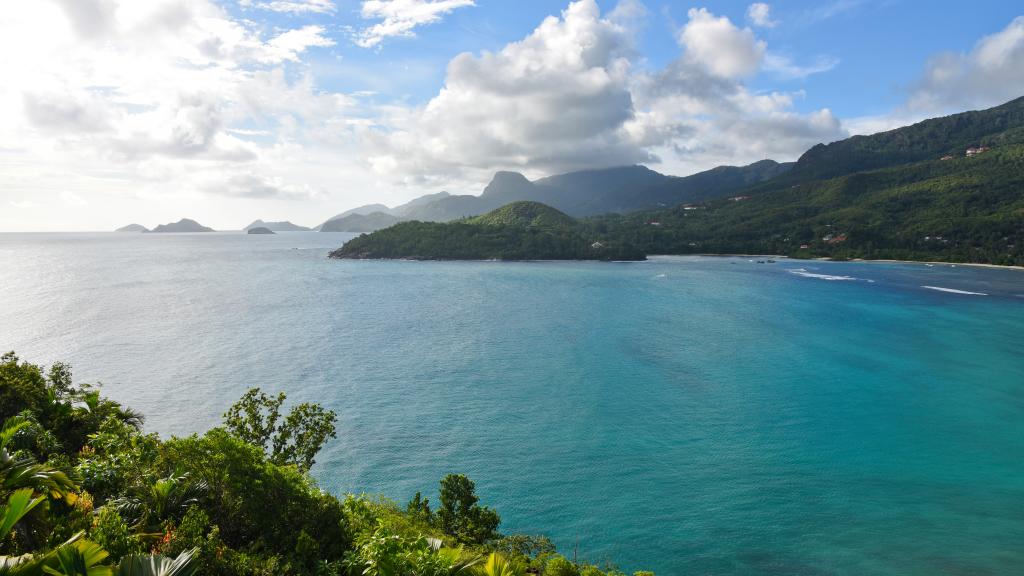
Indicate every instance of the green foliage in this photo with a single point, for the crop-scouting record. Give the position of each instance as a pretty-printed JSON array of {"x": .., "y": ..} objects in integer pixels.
[
  {"x": 117, "y": 459},
  {"x": 257, "y": 504},
  {"x": 419, "y": 509},
  {"x": 82, "y": 558},
  {"x": 19, "y": 503},
  {"x": 113, "y": 534},
  {"x": 461, "y": 516},
  {"x": 560, "y": 566},
  {"x": 256, "y": 418},
  {"x": 498, "y": 564},
  {"x": 152, "y": 565},
  {"x": 465, "y": 240},
  {"x": 526, "y": 214},
  {"x": 523, "y": 545}
]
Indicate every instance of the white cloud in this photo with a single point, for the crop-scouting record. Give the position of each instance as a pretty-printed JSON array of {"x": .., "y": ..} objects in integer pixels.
[
  {"x": 399, "y": 18},
  {"x": 990, "y": 74},
  {"x": 292, "y": 6},
  {"x": 760, "y": 14},
  {"x": 568, "y": 96},
  {"x": 559, "y": 98},
  {"x": 785, "y": 68},
  {"x": 717, "y": 45},
  {"x": 170, "y": 100}
]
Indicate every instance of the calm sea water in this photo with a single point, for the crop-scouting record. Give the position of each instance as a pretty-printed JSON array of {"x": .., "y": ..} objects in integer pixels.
[{"x": 687, "y": 415}]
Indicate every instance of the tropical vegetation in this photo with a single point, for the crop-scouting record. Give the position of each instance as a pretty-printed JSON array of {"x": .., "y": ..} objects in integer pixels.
[{"x": 85, "y": 491}]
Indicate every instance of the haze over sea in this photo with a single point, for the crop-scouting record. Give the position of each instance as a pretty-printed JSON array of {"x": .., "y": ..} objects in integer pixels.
[{"x": 687, "y": 415}]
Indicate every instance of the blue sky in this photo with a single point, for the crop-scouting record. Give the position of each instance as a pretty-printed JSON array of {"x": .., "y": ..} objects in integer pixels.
[
  {"x": 232, "y": 110},
  {"x": 881, "y": 45}
]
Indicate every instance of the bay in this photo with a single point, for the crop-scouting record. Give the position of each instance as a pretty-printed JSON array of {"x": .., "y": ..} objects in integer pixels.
[{"x": 690, "y": 415}]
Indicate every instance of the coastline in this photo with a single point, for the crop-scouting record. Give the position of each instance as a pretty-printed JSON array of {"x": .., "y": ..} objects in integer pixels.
[
  {"x": 865, "y": 260},
  {"x": 934, "y": 262}
]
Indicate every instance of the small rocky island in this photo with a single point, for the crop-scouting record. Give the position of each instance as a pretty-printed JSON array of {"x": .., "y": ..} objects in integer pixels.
[
  {"x": 181, "y": 226},
  {"x": 283, "y": 226},
  {"x": 132, "y": 228},
  {"x": 260, "y": 230},
  {"x": 517, "y": 231}
]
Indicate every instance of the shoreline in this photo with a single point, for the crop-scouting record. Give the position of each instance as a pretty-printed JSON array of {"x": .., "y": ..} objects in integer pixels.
[{"x": 858, "y": 260}]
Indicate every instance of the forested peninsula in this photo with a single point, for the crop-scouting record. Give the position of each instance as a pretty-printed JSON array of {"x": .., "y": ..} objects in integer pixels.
[{"x": 85, "y": 491}]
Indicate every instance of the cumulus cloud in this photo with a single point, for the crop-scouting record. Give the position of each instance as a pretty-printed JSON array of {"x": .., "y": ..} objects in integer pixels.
[
  {"x": 568, "y": 97},
  {"x": 760, "y": 14},
  {"x": 991, "y": 73},
  {"x": 559, "y": 98},
  {"x": 401, "y": 17},
  {"x": 716, "y": 44}
]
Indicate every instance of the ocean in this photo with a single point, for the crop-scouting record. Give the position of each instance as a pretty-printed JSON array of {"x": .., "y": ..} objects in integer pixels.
[{"x": 688, "y": 415}]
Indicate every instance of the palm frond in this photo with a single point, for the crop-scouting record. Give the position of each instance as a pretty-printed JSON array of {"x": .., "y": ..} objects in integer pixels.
[
  {"x": 143, "y": 565},
  {"x": 18, "y": 505}
]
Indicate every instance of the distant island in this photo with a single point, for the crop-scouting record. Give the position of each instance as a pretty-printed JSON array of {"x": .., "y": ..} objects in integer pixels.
[
  {"x": 259, "y": 230},
  {"x": 518, "y": 231},
  {"x": 284, "y": 226},
  {"x": 132, "y": 228},
  {"x": 948, "y": 189},
  {"x": 183, "y": 225}
]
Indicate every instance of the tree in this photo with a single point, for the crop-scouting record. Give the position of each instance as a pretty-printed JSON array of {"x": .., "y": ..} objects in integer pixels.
[
  {"x": 460, "y": 516},
  {"x": 255, "y": 418},
  {"x": 419, "y": 509}
]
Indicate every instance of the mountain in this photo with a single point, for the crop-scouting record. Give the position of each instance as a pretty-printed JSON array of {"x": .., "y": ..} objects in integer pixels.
[
  {"x": 591, "y": 192},
  {"x": 360, "y": 222},
  {"x": 404, "y": 209},
  {"x": 259, "y": 230},
  {"x": 132, "y": 228},
  {"x": 914, "y": 193},
  {"x": 183, "y": 225},
  {"x": 284, "y": 226},
  {"x": 518, "y": 231}
]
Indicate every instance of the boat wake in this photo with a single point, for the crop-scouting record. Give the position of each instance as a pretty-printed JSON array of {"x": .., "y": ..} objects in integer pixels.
[
  {"x": 806, "y": 274},
  {"x": 954, "y": 291}
]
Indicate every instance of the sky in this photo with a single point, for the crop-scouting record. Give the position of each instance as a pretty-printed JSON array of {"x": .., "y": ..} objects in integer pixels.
[{"x": 225, "y": 111}]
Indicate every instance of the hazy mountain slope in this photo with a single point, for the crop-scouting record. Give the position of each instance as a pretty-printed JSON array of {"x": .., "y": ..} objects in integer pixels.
[
  {"x": 183, "y": 225},
  {"x": 360, "y": 222},
  {"x": 589, "y": 192},
  {"x": 132, "y": 228}
]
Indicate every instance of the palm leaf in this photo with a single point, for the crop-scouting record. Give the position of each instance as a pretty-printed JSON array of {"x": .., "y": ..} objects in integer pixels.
[
  {"x": 12, "y": 426},
  {"x": 81, "y": 558},
  {"x": 18, "y": 473},
  {"x": 142, "y": 565},
  {"x": 18, "y": 505}
]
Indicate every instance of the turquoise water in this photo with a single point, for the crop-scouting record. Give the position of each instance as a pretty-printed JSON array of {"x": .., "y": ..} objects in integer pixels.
[{"x": 687, "y": 415}]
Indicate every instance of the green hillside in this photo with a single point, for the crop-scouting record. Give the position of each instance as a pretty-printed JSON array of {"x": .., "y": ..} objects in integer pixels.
[
  {"x": 963, "y": 209},
  {"x": 927, "y": 140},
  {"x": 524, "y": 213},
  {"x": 517, "y": 231}
]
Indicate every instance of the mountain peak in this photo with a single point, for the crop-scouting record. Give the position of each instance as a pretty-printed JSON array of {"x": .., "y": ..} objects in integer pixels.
[{"x": 507, "y": 183}]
